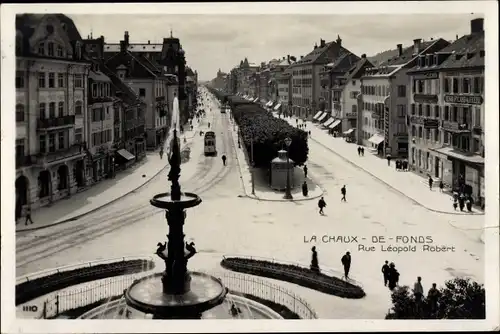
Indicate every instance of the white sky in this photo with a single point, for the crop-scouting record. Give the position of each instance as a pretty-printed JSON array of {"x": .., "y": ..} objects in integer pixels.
[{"x": 221, "y": 41}]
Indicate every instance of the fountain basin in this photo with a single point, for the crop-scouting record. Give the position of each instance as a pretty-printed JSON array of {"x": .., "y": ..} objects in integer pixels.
[
  {"x": 146, "y": 295},
  {"x": 163, "y": 201}
]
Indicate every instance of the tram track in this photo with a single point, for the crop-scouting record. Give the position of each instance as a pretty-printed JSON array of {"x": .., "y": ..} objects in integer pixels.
[{"x": 91, "y": 228}]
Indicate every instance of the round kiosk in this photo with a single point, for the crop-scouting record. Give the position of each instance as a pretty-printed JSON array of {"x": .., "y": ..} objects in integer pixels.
[{"x": 279, "y": 167}]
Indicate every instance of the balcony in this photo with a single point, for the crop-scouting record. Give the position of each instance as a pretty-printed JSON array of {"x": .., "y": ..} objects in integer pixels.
[
  {"x": 477, "y": 129},
  {"x": 351, "y": 115},
  {"x": 23, "y": 161},
  {"x": 456, "y": 127},
  {"x": 53, "y": 123},
  {"x": 43, "y": 159}
]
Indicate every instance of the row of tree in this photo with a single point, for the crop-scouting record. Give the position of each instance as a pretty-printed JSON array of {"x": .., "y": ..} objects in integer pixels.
[{"x": 267, "y": 132}]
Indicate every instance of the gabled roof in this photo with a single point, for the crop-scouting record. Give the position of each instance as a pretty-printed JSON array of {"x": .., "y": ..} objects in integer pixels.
[
  {"x": 127, "y": 94},
  {"x": 468, "y": 49},
  {"x": 357, "y": 70},
  {"x": 134, "y": 47},
  {"x": 407, "y": 55},
  {"x": 140, "y": 68}
]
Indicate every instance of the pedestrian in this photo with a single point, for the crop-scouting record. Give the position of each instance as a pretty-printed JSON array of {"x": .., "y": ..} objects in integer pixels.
[
  {"x": 305, "y": 171},
  {"x": 321, "y": 205},
  {"x": 305, "y": 190},
  {"x": 161, "y": 153},
  {"x": 431, "y": 181},
  {"x": 385, "y": 272},
  {"x": 346, "y": 262},
  {"x": 455, "y": 204},
  {"x": 398, "y": 165},
  {"x": 28, "y": 216},
  {"x": 388, "y": 159},
  {"x": 359, "y": 151},
  {"x": 223, "y": 159},
  {"x": 314, "y": 260},
  {"x": 432, "y": 297},
  {"x": 468, "y": 204},
  {"x": 393, "y": 276},
  {"x": 461, "y": 202},
  {"x": 309, "y": 133},
  {"x": 362, "y": 151},
  {"x": 343, "y": 192},
  {"x": 418, "y": 293},
  {"x": 441, "y": 185}
]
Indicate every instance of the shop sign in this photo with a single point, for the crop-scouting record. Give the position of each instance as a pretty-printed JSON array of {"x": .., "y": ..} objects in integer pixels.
[
  {"x": 425, "y": 98},
  {"x": 351, "y": 115},
  {"x": 426, "y": 76},
  {"x": 416, "y": 120},
  {"x": 431, "y": 123},
  {"x": 454, "y": 126},
  {"x": 464, "y": 99}
]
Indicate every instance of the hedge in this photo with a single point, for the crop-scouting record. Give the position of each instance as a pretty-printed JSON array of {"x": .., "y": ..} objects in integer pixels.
[{"x": 294, "y": 274}]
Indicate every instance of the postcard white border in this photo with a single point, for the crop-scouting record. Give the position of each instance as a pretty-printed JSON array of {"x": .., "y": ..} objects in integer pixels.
[{"x": 489, "y": 9}]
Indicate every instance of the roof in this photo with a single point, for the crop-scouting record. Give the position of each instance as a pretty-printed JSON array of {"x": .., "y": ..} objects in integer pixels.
[
  {"x": 71, "y": 29},
  {"x": 127, "y": 94},
  {"x": 135, "y": 47},
  {"x": 357, "y": 70},
  {"x": 407, "y": 55},
  {"x": 471, "y": 45},
  {"x": 137, "y": 65},
  {"x": 99, "y": 76}
]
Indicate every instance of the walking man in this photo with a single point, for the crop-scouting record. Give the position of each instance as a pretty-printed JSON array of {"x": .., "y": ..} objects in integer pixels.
[
  {"x": 418, "y": 292},
  {"x": 346, "y": 262},
  {"x": 441, "y": 185},
  {"x": 343, "y": 191},
  {"x": 224, "y": 160},
  {"x": 321, "y": 205},
  {"x": 305, "y": 171},
  {"x": 431, "y": 181},
  {"x": 385, "y": 272},
  {"x": 359, "y": 151},
  {"x": 161, "y": 153},
  {"x": 28, "y": 216}
]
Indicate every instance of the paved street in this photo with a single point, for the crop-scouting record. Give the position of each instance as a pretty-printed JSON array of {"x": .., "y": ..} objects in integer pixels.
[{"x": 227, "y": 223}]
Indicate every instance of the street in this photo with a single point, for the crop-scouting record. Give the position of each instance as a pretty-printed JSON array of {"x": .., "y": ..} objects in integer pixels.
[{"x": 227, "y": 223}]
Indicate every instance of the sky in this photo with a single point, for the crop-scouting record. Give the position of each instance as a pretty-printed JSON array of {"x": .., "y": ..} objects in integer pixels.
[{"x": 221, "y": 41}]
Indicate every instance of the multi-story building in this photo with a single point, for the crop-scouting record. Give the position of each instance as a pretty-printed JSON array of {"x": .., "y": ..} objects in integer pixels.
[
  {"x": 244, "y": 77},
  {"x": 218, "y": 81},
  {"x": 385, "y": 93},
  {"x": 51, "y": 102},
  {"x": 346, "y": 103},
  {"x": 99, "y": 124},
  {"x": 446, "y": 120},
  {"x": 306, "y": 79}
]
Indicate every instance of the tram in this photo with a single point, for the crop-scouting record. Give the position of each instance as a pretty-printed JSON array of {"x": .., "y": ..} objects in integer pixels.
[
  {"x": 210, "y": 148},
  {"x": 225, "y": 108}
]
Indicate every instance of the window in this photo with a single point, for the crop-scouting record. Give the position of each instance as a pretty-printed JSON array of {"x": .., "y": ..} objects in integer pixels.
[
  {"x": 413, "y": 131},
  {"x": 42, "y": 144},
  {"x": 78, "y": 135},
  {"x": 427, "y": 134},
  {"x": 466, "y": 85},
  {"x": 436, "y": 135},
  {"x": 52, "y": 80},
  {"x": 476, "y": 146},
  {"x": 94, "y": 90},
  {"x": 414, "y": 86},
  {"x": 446, "y": 113},
  {"x": 19, "y": 79},
  {"x": 41, "y": 110},
  {"x": 420, "y": 132},
  {"x": 78, "y": 81},
  {"x": 413, "y": 108},
  {"x": 59, "y": 51},
  {"x": 428, "y": 110},
  {"x": 455, "y": 85},
  {"x": 401, "y": 91},
  {"x": 421, "y": 86},
  {"x": 354, "y": 108},
  {"x": 41, "y": 48},
  {"x": 142, "y": 92},
  {"x": 41, "y": 79},
  {"x": 52, "y": 142},
  {"x": 446, "y": 85},
  {"x": 52, "y": 109},
  {"x": 420, "y": 110},
  {"x": 78, "y": 108},
  {"x": 454, "y": 114},
  {"x": 437, "y": 112},
  {"x": 19, "y": 113},
  {"x": 477, "y": 116},
  {"x": 101, "y": 90},
  {"x": 60, "y": 80},
  {"x": 446, "y": 138},
  {"x": 60, "y": 139},
  {"x": 50, "y": 49},
  {"x": 401, "y": 108},
  {"x": 60, "y": 109}
]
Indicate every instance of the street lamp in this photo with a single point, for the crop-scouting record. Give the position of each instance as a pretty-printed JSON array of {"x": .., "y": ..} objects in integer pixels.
[
  {"x": 288, "y": 194},
  {"x": 253, "y": 168}
]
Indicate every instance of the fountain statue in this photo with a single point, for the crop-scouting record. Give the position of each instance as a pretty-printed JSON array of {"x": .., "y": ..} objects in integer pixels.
[{"x": 175, "y": 293}]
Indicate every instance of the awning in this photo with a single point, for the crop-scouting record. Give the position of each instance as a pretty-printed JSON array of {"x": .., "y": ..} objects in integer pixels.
[
  {"x": 334, "y": 124},
  {"x": 450, "y": 152},
  {"x": 276, "y": 107},
  {"x": 269, "y": 103},
  {"x": 351, "y": 130},
  {"x": 322, "y": 117},
  {"x": 330, "y": 121},
  {"x": 126, "y": 154},
  {"x": 256, "y": 99},
  {"x": 376, "y": 139},
  {"x": 317, "y": 115}
]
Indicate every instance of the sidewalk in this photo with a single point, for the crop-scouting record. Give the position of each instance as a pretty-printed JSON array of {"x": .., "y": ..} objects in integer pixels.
[
  {"x": 407, "y": 184},
  {"x": 262, "y": 190},
  {"x": 103, "y": 193}
]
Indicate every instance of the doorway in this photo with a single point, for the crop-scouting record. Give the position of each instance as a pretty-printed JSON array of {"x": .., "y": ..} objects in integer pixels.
[{"x": 21, "y": 195}]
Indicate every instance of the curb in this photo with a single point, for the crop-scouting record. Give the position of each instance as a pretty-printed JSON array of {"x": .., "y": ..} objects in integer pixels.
[
  {"x": 394, "y": 189},
  {"x": 102, "y": 206},
  {"x": 256, "y": 198}
]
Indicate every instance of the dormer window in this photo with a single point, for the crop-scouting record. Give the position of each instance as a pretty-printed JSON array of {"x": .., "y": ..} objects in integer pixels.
[
  {"x": 419, "y": 62},
  {"x": 458, "y": 56},
  {"x": 94, "y": 90},
  {"x": 436, "y": 60},
  {"x": 59, "y": 51},
  {"x": 50, "y": 49},
  {"x": 470, "y": 55},
  {"x": 100, "y": 90},
  {"x": 41, "y": 48}
]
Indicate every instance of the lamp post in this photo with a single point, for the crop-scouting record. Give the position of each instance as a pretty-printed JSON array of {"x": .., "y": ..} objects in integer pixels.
[
  {"x": 288, "y": 194},
  {"x": 253, "y": 168}
]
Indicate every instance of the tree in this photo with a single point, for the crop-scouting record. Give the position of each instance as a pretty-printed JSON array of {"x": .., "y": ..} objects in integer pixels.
[{"x": 460, "y": 298}]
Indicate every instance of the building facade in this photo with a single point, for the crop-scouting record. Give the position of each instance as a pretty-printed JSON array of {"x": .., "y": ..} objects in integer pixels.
[
  {"x": 385, "y": 99},
  {"x": 446, "y": 121},
  {"x": 51, "y": 103}
]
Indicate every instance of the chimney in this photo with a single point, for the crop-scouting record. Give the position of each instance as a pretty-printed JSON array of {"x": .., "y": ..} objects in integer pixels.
[
  {"x": 288, "y": 58},
  {"x": 322, "y": 43},
  {"x": 301, "y": 57},
  {"x": 477, "y": 26},
  {"x": 416, "y": 45},
  {"x": 400, "y": 49},
  {"x": 363, "y": 56},
  {"x": 123, "y": 48},
  {"x": 315, "y": 46},
  {"x": 125, "y": 38},
  {"x": 149, "y": 42}
]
